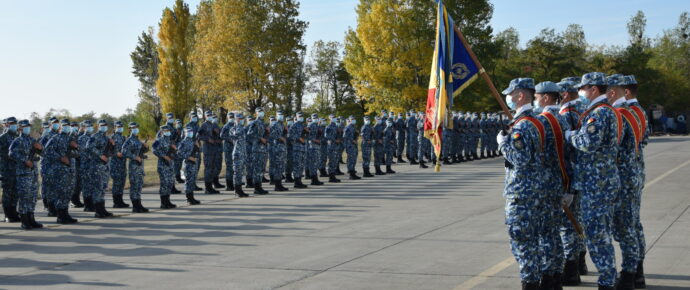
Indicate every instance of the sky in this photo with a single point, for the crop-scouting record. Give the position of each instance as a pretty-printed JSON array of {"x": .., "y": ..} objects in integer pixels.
[{"x": 75, "y": 54}]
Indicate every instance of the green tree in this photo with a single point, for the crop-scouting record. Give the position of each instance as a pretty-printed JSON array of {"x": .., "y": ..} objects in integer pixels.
[{"x": 145, "y": 67}]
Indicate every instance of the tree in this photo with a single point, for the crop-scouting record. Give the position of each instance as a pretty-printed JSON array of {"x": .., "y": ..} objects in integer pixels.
[
  {"x": 145, "y": 67},
  {"x": 322, "y": 70},
  {"x": 174, "y": 81}
]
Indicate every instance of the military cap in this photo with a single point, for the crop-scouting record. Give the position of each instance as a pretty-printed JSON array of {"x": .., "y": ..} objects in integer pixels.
[
  {"x": 24, "y": 123},
  {"x": 258, "y": 109},
  {"x": 239, "y": 116},
  {"x": 53, "y": 120},
  {"x": 547, "y": 87},
  {"x": 192, "y": 114},
  {"x": 178, "y": 121},
  {"x": 615, "y": 80},
  {"x": 630, "y": 80},
  {"x": 315, "y": 115},
  {"x": 377, "y": 118},
  {"x": 64, "y": 122},
  {"x": 133, "y": 124},
  {"x": 592, "y": 79},
  {"x": 11, "y": 120},
  {"x": 170, "y": 115},
  {"x": 102, "y": 123},
  {"x": 45, "y": 125},
  {"x": 189, "y": 127},
  {"x": 208, "y": 113},
  {"x": 567, "y": 86},
  {"x": 366, "y": 118},
  {"x": 288, "y": 118},
  {"x": 118, "y": 124},
  {"x": 86, "y": 123},
  {"x": 299, "y": 114},
  {"x": 575, "y": 80},
  {"x": 231, "y": 115},
  {"x": 74, "y": 124},
  {"x": 519, "y": 83},
  {"x": 351, "y": 117},
  {"x": 271, "y": 118},
  {"x": 166, "y": 127}
]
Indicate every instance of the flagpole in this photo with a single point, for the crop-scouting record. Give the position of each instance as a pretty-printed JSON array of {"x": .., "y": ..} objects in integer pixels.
[{"x": 483, "y": 73}]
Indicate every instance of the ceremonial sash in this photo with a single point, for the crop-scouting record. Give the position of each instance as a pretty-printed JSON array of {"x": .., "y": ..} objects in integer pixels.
[
  {"x": 539, "y": 126},
  {"x": 560, "y": 145},
  {"x": 569, "y": 109},
  {"x": 628, "y": 116},
  {"x": 641, "y": 118},
  {"x": 619, "y": 118}
]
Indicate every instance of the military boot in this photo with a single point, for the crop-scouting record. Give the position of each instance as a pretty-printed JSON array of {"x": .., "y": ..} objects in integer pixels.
[
  {"x": 315, "y": 180},
  {"x": 216, "y": 183},
  {"x": 75, "y": 200},
  {"x": 11, "y": 215},
  {"x": 322, "y": 172},
  {"x": 626, "y": 281},
  {"x": 259, "y": 190},
  {"x": 332, "y": 179},
  {"x": 118, "y": 202},
  {"x": 190, "y": 198},
  {"x": 389, "y": 170},
  {"x": 210, "y": 189},
  {"x": 26, "y": 221},
  {"x": 353, "y": 175},
  {"x": 101, "y": 212},
  {"x": 367, "y": 173},
  {"x": 640, "y": 282},
  {"x": 299, "y": 184},
  {"x": 165, "y": 202},
  {"x": 378, "y": 170},
  {"x": 239, "y": 192},
  {"x": 34, "y": 223},
  {"x": 88, "y": 204},
  {"x": 229, "y": 186},
  {"x": 137, "y": 207},
  {"x": 571, "y": 274}
]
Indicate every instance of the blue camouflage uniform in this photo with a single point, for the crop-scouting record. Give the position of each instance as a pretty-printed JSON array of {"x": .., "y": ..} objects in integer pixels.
[
  {"x": 288, "y": 147},
  {"x": 97, "y": 172},
  {"x": 277, "y": 140},
  {"x": 314, "y": 151},
  {"x": 379, "y": 149},
  {"x": 131, "y": 149},
  {"x": 644, "y": 122},
  {"x": 389, "y": 142},
  {"x": 54, "y": 124},
  {"x": 8, "y": 169},
  {"x": 401, "y": 129},
  {"x": 84, "y": 160},
  {"x": 163, "y": 147},
  {"x": 411, "y": 125},
  {"x": 177, "y": 133},
  {"x": 367, "y": 143},
  {"x": 297, "y": 137},
  {"x": 186, "y": 151},
  {"x": 257, "y": 134},
  {"x": 20, "y": 151},
  {"x": 194, "y": 124},
  {"x": 58, "y": 173},
  {"x": 323, "y": 154},
  {"x": 332, "y": 139},
  {"x": 238, "y": 134},
  {"x": 350, "y": 142},
  {"x": 228, "y": 147},
  {"x": 423, "y": 146},
  {"x": 118, "y": 169},
  {"x": 208, "y": 138}
]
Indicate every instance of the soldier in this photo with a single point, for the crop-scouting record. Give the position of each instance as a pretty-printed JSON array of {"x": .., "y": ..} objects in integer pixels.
[
  {"x": 333, "y": 141},
  {"x": 54, "y": 128},
  {"x": 59, "y": 152},
  {"x": 389, "y": 144},
  {"x": 457, "y": 146},
  {"x": 368, "y": 140},
  {"x": 134, "y": 150},
  {"x": 177, "y": 138},
  {"x": 25, "y": 151},
  {"x": 323, "y": 154},
  {"x": 99, "y": 147},
  {"x": 341, "y": 146},
  {"x": 297, "y": 136},
  {"x": 165, "y": 150},
  {"x": 313, "y": 155},
  {"x": 411, "y": 149},
  {"x": 379, "y": 154},
  {"x": 639, "y": 112},
  {"x": 77, "y": 131},
  {"x": 186, "y": 151},
  {"x": 524, "y": 185},
  {"x": 556, "y": 180},
  {"x": 205, "y": 135},
  {"x": 238, "y": 135},
  {"x": 217, "y": 152},
  {"x": 228, "y": 147},
  {"x": 401, "y": 128},
  {"x": 288, "y": 162},
  {"x": 194, "y": 124},
  {"x": 84, "y": 163},
  {"x": 277, "y": 141},
  {"x": 257, "y": 136},
  {"x": 8, "y": 171},
  {"x": 624, "y": 214},
  {"x": 596, "y": 142},
  {"x": 118, "y": 167},
  {"x": 350, "y": 142},
  {"x": 483, "y": 136},
  {"x": 422, "y": 144}
]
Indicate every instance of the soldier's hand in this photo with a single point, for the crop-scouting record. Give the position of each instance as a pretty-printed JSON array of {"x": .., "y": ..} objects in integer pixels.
[
  {"x": 64, "y": 160},
  {"x": 167, "y": 158},
  {"x": 112, "y": 142},
  {"x": 282, "y": 139},
  {"x": 301, "y": 140},
  {"x": 119, "y": 154},
  {"x": 192, "y": 159},
  {"x": 379, "y": 141},
  {"x": 137, "y": 159},
  {"x": 29, "y": 164},
  {"x": 104, "y": 158},
  {"x": 173, "y": 147},
  {"x": 38, "y": 146},
  {"x": 263, "y": 140}
]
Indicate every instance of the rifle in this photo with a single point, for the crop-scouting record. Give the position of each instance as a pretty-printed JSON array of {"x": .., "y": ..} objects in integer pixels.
[
  {"x": 34, "y": 154},
  {"x": 73, "y": 150},
  {"x": 109, "y": 149},
  {"x": 142, "y": 152}
]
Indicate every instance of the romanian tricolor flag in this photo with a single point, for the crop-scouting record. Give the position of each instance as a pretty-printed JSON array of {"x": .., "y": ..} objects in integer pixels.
[{"x": 452, "y": 70}]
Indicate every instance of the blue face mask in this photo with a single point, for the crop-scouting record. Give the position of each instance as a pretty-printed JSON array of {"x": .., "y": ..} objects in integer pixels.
[
  {"x": 353, "y": 121},
  {"x": 166, "y": 133},
  {"x": 300, "y": 119},
  {"x": 89, "y": 129},
  {"x": 273, "y": 123},
  {"x": 170, "y": 121},
  {"x": 103, "y": 129},
  {"x": 241, "y": 122},
  {"x": 119, "y": 129},
  {"x": 280, "y": 118},
  {"x": 12, "y": 128},
  {"x": 188, "y": 134},
  {"x": 178, "y": 126},
  {"x": 582, "y": 97},
  {"x": 55, "y": 126},
  {"x": 66, "y": 129},
  {"x": 195, "y": 119},
  {"x": 290, "y": 123},
  {"x": 26, "y": 130},
  {"x": 510, "y": 103},
  {"x": 135, "y": 131},
  {"x": 231, "y": 120},
  {"x": 261, "y": 114}
]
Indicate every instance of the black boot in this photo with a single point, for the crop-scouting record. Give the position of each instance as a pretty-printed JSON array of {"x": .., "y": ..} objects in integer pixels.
[
  {"x": 332, "y": 179},
  {"x": 288, "y": 178},
  {"x": 557, "y": 284},
  {"x": 626, "y": 281},
  {"x": 250, "y": 183},
  {"x": 196, "y": 187},
  {"x": 216, "y": 183},
  {"x": 118, "y": 202},
  {"x": 299, "y": 184},
  {"x": 137, "y": 207},
  {"x": 190, "y": 198},
  {"x": 601, "y": 287},
  {"x": 546, "y": 282},
  {"x": 640, "y": 282},
  {"x": 322, "y": 172},
  {"x": 279, "y": 186},
  {"x": 34, "y": 223},
  {"x": 75, "y": 200},
  {"x": 571, "y": 274},
  {"x": 400, "y": 160},
  {"x": 178, "y": 178},
  {"x": 165, "y": 202},
  {"x": 52, "y": 212},
  {"x": 353, "y": 176},
  {"x": 229, "y": 186},
  {"x": 389, "y": 170},
  {"x": 378, "y": 170},
  {"x": 239, "y": 192},
  {"x": 263, "y": 179},
  {"x": 174, "y": 190},
  {"x": 315, "y": 180},
  {"x": 582, "y": 264},
  {"x": 259, "y": 190},
  {"x": 445, "y": 161},
  {"x": 413, "y": 161},
  {"x": 64, "y": 218},
  {"x": 530, "y": 286},
  {"x": 101, "y": 212},
  {"x": 11, "y": 215},
  {"x": 367, "y": 173},
  {"x": 422, "y": 164},
  {"x": 88, "y": 205},
  {"x": 482, "y": 155},
  {"x": 210, "y": 189},
  {"x": 26, "y": 221}
]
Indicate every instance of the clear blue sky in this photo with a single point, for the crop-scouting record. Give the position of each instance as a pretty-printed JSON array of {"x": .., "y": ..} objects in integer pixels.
[{"x": 75, "y": 54}]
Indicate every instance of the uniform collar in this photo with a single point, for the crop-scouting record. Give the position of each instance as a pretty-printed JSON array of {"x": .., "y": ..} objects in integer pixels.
[
  {"x": 596, "y": 101},
  {"x": 571, "y": 103},
  {"x": 632, "y": 101},
  {"x": 619, "y": 102},
  {"x": 522, "y": 109}
]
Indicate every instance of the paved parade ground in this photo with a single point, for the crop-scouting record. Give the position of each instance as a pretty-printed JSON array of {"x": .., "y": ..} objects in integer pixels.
[{"x": 413, "y": 230}]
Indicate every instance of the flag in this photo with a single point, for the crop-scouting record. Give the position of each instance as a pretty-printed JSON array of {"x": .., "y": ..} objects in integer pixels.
[{"x": 452, "y": 70}]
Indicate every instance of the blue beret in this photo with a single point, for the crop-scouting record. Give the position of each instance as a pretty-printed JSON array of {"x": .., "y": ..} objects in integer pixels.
[{"x": 547, "y": 87}]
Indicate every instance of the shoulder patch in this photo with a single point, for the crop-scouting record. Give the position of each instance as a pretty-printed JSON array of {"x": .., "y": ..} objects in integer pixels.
[
  {"x": 591, "y": 120},
  {"x": 591, "y": 129},
  {"x": 516, "y": 135}
]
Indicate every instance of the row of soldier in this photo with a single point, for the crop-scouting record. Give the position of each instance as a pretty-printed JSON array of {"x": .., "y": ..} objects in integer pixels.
[
  {"x": 577, "y": 144},
  {"x": 77, "y": 160}
]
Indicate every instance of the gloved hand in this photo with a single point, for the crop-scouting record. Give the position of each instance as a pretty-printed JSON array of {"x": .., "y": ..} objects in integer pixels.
[
  {"x": 567, "y": 199},
  {"x": 501, "y": 138},
  {"x": 570, "y": 133}
]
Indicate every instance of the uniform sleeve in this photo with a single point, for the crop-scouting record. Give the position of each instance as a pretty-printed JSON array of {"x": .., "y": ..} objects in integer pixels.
[
  {"x": 519, "y": 147},
  {"x": 158, "y": 148},
  {"x": 184, "y": 150},
  {"x": 589, "y": 138},
  {"x": 17, "y": 151},
  {"x": 127, "y": 150}
]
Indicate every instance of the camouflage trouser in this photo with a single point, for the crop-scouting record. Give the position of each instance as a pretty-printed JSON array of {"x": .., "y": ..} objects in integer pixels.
[
  {"x": 523, "y": 229},
  {"x": 389, "y": 152},
  {"x": 9, "y": 190},
  {"x": 400, "y": 146},
  {"x": 297, "y": 163},
  {"x": 572, "y": 244},
  {"x": 44, "y": 191},
  {"x": 62, "y": 187},
  {"x": 218, "y": 161},
  {"x": 411, "y": 148},
  {"x": 259, "y": 166},
  {"x": 550, "y": 239},
  {"x": 190, "y": 172},
  {"x": 642, "y": 245},
  {"x": 323, "y": 157},
  {"x": 177, "y": 166},
  {"x": 313, "y": 160},
  {"x": 333, "y": 158},
  {"x": 229, "y": 172},
  {"x": 366, "y": 155},
  {"x": 351, "y": 150},
  {"x": 597, "y": 209},
  {"x": 238, "y": 167},
  {"x": 249, "y": 162},
  {"x": 119, "y": 175},
  {"x": 278, "y": 161},
  {"x": 27, "y": 191},
  {"x": 136, "y": 180},
  {"x": 422, "y": 150},
  {"x": 167, "y": 178},
  {"x": 288, "y": 161},
  {"x": 379, "y": 154},
  {"x": 209, "y": 165},
  {"x": 97, "y": 177},
  {"x": 624, "y": 230}
]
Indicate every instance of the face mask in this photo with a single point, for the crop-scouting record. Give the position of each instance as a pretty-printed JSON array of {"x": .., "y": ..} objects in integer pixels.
[
  {"x": 195, "y": 119},
  {"x": 166, "y": 133},
  {"x": 66, "y": 129},
  {"x": 135, "y": 131},
  {"x": 103, "y": 129},
  {"x": 26, "y": 130},
  {"x": 290, "y": 123},
  {"x": 280, "y": 118},
  {"x": 214, "y": 121},
  {"x": 367, "y": 122},
  {"x": 384, "y": 115},
  {"x": 535, "y": 104},
  {"x": 12, "y": 128},
  {"x": 189, "y": 134},
  {"x": 261, "y": 114},
  {"x": 510, "y": 103},
  {"x": 582, "y": 97},
  {"x": 171, "y": 121},
  {"x": 273, "y": 123},
  {"x": 300, "y": 119},
  {"x": 55, "y": 127},
  {"x": 178, "y": 126},
  {"x": 231, "y": 120},
  {"x": 353, "y": 121},
  {"x": 119, "y": 130},
  {"x": 242, "y": 122},
  {"x": 89, "y": 129}
]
